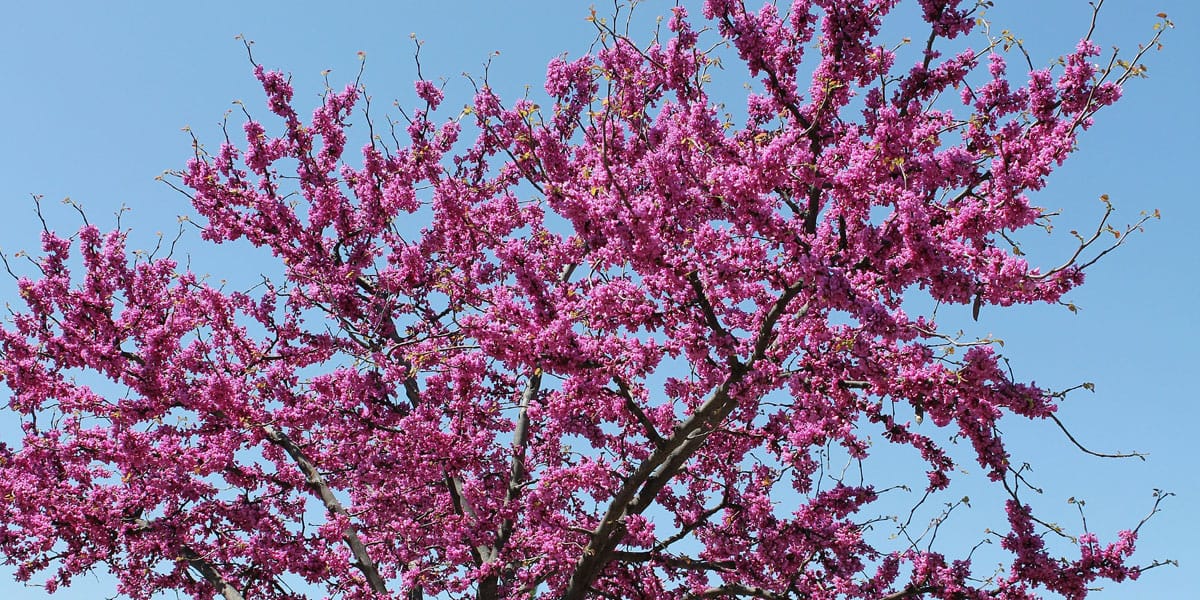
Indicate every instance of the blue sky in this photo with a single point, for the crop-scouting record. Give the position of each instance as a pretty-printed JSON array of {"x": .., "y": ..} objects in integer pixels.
[{"x": 99, "y": 92}]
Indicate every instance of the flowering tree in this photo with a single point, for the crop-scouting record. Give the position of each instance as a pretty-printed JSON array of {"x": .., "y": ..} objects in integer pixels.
[{"x": 598, "y": 351}]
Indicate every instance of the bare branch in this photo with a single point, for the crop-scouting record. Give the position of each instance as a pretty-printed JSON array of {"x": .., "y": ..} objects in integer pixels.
[{"x": 1063, "y": 427}]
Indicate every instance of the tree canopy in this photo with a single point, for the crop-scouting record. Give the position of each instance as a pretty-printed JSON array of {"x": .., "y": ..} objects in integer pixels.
[{"x": 600, "y": 342}]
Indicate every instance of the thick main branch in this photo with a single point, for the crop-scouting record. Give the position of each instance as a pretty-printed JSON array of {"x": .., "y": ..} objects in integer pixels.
[
  {"x": 489, "y": 586},
  {"x": 210, "y": 574},
  {"x": 194, "y": 560},
  {"x": 639, "y": 490},
  {"x": 318, "y": 484}
]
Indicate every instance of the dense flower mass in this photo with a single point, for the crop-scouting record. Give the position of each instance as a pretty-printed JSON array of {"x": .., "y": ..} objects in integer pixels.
[{"x": 588, "y": 348}]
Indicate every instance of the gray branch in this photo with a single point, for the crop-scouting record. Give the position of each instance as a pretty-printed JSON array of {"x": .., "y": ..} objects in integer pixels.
[
  {"x": 210, "y": 573},
  {"x": 195, "y": 561},
  {"x": 639, "y": 490},
  {"x": 318, "y": 484},
  {"x": 489, "y": 587}
]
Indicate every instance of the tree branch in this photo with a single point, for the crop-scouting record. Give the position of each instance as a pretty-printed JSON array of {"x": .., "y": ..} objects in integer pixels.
[
  {"x": 638, "y": 491},
  {"x": 637, "y": 412},
  {"x": 909, "y": 592},
  {"x": 737, "y": 589},
  {"x": 674, "y": 561},
  {"x": 195, "y": 561},
  {"x": 462, "y": 506},
  {"x": 210, "y": 573},
  {"x": 489, "y": 586},
  {"x": 318, "y": 484}
]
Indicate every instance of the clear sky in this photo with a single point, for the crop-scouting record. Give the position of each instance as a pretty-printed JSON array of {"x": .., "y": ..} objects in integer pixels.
[{"x": 98, "y": 93}]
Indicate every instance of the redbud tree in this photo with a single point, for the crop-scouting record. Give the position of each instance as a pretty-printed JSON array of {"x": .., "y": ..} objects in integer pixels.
[{"x": 596, "y": 343}]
